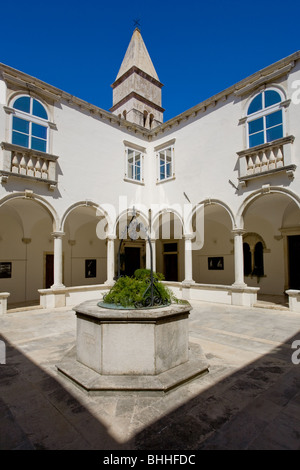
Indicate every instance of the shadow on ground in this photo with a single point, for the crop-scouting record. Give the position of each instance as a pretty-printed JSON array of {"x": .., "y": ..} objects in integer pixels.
[{"x": 256, "y": 407}]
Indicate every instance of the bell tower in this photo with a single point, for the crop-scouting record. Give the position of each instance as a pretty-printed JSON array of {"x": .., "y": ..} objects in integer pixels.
[{"x": 137, "y": 89}]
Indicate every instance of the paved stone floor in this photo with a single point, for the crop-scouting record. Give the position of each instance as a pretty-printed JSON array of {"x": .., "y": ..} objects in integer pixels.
[{"x": 250, "y": 399}]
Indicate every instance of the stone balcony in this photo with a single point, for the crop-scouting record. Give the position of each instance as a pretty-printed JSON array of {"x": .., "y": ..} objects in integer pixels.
[
  {"x": 26, "y": 163},
  {"x": 266, "y": 159}
]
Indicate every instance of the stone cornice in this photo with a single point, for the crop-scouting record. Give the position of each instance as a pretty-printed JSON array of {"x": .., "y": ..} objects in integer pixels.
[
  {"x": 140, "y": 72},
  {"x": 245, "y": 85},
  {"x": 138, "y": 97},
  {"x": 269, "y": 73}
]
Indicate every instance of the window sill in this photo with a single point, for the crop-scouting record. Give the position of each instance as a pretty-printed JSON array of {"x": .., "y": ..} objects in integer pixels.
[
  {"x": 129, "y": 180},
  {"x": 172, "y": 178},
  {"x": 267, "y": 159},
  {"x": 28, "y": 151},
  {"x": 289, "y": 170},
  {"x": 5, "y": 175},
  {"x": 267, "y": 146}
]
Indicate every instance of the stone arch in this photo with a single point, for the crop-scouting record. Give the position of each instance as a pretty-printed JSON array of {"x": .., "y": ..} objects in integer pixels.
[
  {"x": 262, "y": 212},
  {"x": 101, "y": 211},
  {"x": 165, "y": 210},
  {"x": 86, "y": 226},
  {"x": 27, "y": 244},
  {"x": 168, "y": 233},
  {"x": 259, "y": 193},
  {"x": 207, "y": 202},
  {"x": 39, "y": 200},
  {"x": 129, "y": 212}
]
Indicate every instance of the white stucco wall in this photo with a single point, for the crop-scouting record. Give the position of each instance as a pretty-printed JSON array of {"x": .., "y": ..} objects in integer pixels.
[{"x": 91, "y": 166}]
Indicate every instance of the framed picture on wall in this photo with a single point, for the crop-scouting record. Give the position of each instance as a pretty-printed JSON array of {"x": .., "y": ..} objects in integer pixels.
[
  {"x": 216, "y": 263},
  {"x": 5, "y": 270},
  {"x": 90, "y": 268}
]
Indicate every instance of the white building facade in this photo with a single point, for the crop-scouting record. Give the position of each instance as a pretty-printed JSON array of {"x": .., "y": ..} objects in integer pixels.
[{"x": 218, "y": 187}]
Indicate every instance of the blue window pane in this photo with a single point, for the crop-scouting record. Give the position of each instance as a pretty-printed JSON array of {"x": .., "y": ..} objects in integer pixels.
[
  {"x": 256, "y": 104},
  {"x": 256, "y": 125},
  {"x": 162, "y": 173},
  {"x": 23, "y": 104},
  {"x": 20, "y": 125},
  {"x": 20, "y": 139},
  {"x": 138, "y": 174},
  {"x": 274, "y": 133},
  {"x": 39, "y": 131},
  {"x": 256, "y": 139},
  {"x": 271, "y": 97},
  {"x": 38, "y": 144},
  {"x": 168, "y": 170},
  {"x": 274, "y": 119},
  {"x": 39, "y": 110}
]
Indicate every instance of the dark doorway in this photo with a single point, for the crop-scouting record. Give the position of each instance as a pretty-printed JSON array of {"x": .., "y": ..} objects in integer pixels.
[
  {"x": 170, "y": 262},
  {"x": 132, "y": 260},
  {"x": 49, "y": 268},
  {"x": 294, "y": 261}
]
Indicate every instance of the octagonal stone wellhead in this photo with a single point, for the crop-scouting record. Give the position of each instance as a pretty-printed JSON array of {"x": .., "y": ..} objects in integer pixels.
[{"x": 136, "y": 350}]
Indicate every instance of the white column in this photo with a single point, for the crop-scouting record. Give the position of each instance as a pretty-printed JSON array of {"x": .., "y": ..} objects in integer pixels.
[
  {"x": 58, "y": 260},
  {"x": 148, "y": 256},
  {"x": 188, "y": 263},
  {"x": 238, "y": 257},
  {"x": 110, "y": 259}
]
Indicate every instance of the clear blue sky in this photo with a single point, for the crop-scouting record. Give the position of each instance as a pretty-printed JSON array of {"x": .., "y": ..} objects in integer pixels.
[{"x": 198, "y": 48}]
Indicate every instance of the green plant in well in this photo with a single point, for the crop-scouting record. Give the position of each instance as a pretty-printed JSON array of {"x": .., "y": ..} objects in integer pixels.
[
  {"x": 146, "y": 273},
  {"x": 127, "y": 291}
]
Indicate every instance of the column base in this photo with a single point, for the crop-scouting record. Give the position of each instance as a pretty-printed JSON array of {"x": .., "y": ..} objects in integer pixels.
[{"x": 188, "y": 282}]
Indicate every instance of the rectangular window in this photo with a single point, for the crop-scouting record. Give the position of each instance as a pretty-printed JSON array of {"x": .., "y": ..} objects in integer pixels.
[
  {"x": 134, "y": 165},
  {"x": 165, "y": 163}
]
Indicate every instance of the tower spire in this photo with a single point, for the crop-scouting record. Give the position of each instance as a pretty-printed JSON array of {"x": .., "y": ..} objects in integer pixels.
[{"x": 137, "y": 89}]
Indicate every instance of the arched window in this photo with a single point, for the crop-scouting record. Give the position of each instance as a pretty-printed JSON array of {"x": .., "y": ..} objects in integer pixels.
[
  {"x": 258, "y": 260},
  {"x": 30, "y": 124},
  {"x": 247, "y": 259},
  {"x": 265, "y": 119},
  {"x": 254, "y": 248}
]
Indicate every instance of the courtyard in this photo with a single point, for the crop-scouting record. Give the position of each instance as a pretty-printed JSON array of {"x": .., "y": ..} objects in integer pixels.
[{"x": 250, "y": 398}]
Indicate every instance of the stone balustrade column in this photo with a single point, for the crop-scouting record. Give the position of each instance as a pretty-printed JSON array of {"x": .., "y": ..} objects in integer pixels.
[
  {"x": 58, "y": 260},
  {"x": 238, "y": 258},
  {"x": 110, "y": 259}
]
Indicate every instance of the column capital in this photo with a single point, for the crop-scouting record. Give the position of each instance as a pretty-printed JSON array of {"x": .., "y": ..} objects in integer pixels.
[
  {"x": 57, "y": 234},
  {"x": 111, "y": 236},
  {"x": 188, "y": 236},
  {"x": 238, "y": 231}
]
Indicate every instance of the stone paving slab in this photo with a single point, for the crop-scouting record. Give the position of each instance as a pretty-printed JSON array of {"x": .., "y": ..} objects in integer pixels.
[{"x": 250, "y": 399}]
